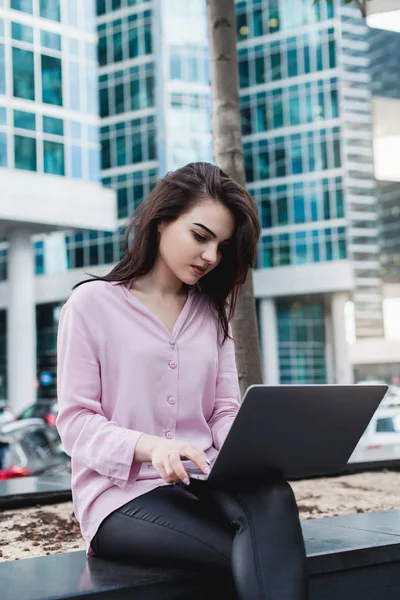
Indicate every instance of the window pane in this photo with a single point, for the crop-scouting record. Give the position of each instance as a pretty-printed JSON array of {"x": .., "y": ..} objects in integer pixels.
[
  {"x": 94, "y": 165},
  {"x": 101, "y": 7},
  {"x": 50, "y": 40},
  {"x": 50, "y": 9},
  {"x": 23, "y": 33},
  {"x": 74, "y": 89},
  {"x": 24, "y": 120},
  {"x": 76, "y": 162},
  {"x": 23, "y": 5},
  {"x": 53, "y": 125},
  {"x": 53, "y": 158},
  {"x": 23, "y": 74},
  {"x": 3, "y": 149},
  {"x": 2, "y": 71},
  {"x": 25, "y": 153},
  {"x": 51, "y": 80}
]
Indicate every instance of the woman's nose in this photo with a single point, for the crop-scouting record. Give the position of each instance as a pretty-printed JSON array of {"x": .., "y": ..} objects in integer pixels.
[{"x": 210, "y": 255}]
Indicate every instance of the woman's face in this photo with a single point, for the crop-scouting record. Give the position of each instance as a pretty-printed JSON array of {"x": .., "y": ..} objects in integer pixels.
[{"x": 192, "y": 246}]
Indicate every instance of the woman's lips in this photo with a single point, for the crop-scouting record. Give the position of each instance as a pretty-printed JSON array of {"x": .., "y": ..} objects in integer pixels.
[{"x": 198, "y": 271}]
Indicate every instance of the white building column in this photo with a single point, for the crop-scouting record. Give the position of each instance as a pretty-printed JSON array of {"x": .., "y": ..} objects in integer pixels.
[
  {"x": 21, "y": 326},
  {"x": 269, "y": 341},
  {"x": 343, "y": 368}
]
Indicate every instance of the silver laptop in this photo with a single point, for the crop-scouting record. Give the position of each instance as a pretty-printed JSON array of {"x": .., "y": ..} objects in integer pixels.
[{"x": 294, "y": 430}]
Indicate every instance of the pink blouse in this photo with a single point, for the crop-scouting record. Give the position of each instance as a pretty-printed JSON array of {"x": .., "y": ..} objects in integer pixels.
[{"x": 121, "y": 373}]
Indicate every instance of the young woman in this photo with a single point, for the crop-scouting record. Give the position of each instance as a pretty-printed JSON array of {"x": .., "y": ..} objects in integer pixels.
[{"x": 147, "y": 380}]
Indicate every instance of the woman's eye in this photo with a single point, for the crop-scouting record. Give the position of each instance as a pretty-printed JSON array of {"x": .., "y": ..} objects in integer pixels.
[{"x": 198, "y": 237}]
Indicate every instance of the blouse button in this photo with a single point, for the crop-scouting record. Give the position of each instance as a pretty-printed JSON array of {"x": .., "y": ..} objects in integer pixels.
[
  {"x": 172, "y": 364},
  {"x": 171, "y": 401},
  {"x": 169, "y": 435},
  {"x": 172, "y": 342}
]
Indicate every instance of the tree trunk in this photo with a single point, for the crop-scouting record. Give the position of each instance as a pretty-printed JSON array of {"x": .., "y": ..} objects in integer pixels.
[{"x": 228, "y": 155}]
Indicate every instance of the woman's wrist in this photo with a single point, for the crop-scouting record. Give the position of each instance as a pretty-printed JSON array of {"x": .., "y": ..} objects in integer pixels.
[{"x": 145, "y": 447}]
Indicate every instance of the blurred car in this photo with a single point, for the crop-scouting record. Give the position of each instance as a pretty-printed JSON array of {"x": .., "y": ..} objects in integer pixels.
[
  {"x": 28, "y": 448},
  {"x": 41, "y": 409},
  {"x": 6, "y": 414},
  {"x": 381, "y": 439}
]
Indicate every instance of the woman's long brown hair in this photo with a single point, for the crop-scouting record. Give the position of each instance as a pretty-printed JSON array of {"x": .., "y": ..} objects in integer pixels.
[{"x": 178, "y": 192}]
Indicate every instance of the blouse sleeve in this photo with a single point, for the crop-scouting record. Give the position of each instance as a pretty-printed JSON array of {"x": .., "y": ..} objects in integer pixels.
[
  {"x": 227, "y": 394},
  {"x": 87, "y": 435}
]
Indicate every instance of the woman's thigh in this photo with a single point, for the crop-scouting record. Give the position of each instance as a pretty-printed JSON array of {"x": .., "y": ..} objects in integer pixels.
[{"x": 170, "y": 526}]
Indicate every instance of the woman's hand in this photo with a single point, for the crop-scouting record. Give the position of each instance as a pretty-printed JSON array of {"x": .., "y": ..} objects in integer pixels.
[{"x": 166, "y": 455}]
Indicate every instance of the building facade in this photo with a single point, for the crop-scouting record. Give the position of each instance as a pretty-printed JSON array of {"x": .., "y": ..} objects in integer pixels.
[
  {"x": 49, "y": 171},
  {"x": 307, "y": 133}
]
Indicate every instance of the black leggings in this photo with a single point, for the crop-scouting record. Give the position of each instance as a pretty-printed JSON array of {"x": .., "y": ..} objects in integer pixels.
[{"x": 255, "y": 532}]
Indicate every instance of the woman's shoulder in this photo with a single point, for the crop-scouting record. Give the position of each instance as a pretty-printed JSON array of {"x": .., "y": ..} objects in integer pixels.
[{"x": 91, "y": 294}]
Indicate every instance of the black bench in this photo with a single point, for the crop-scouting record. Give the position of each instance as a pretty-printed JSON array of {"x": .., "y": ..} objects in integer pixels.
[{"x": 354, "y": 557}]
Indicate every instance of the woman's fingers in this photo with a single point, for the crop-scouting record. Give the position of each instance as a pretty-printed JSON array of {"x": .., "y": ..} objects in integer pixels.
[
  {"x": 176, "y": 463},
  {"x": 198, "y": 457}
]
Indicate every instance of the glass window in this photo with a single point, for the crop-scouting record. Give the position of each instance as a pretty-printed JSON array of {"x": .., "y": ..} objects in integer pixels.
[
  {"x": 92, "y": 92},
  {"x": 332, "y": 54},
  {"x": 74, "y": 87},
  {"x": 25, "y": 153},
  {"x": 2, "y": 70},
  {"x": 104, "y": 105},
  {"x": 262, "y": 117},
  {"x": 334, "y": 104},
  {"x": 244, "y": 73},
  {"x": 336, "y": 153},
  {"x": 23, "y": 74},
  {"x": 51, "y": 80},
  {"x": 3, "y": 149},
  {"x": 53, "y": 125},
  {"x": 24, "y": 120},
  {"x": 117, "y": 46},
  {"x": 76, "y": 130},
  {"x": 276, "y": 64},
  {"x": 258, "y": 22},
  {"x": 282, "y": 211},
  {"x": 120, "y": 147},
  {"x": 94, "y": 165},
  {"x": 76, "y": 162},
  {"x": 73, "y": 46},
  {"x": 3, "y": 115},
  {"x": 50, "y": 9},
  {"x": 294, "y": 109},
  {"x": 264, "y": 163},
  {"x": 50, "y": 40},
  {"x": 277, "y": 108},
  {"x": 122, "y": 199},
  {"x": 299, "y": 209},
  {"x": 105, "y": 154},
  {"x": 22, "y": 5},
  {"x": 102, "y": 50},
  {"x": 280, "y": 160},
  {"x": 23, "y": 33},
  {"x": 72, "y": 12},
  {"x": 101, "y": 7},
  {"x": 260, "y": 69},
  {"x": 147, "y": 39},
  {"x": 53, "y": 157},
  {"x": 292, "y": 62},
  {"x": 339, "y": 204},
  {"x": 175, "y": 66},
  {"x": 133, "y": 41}
]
